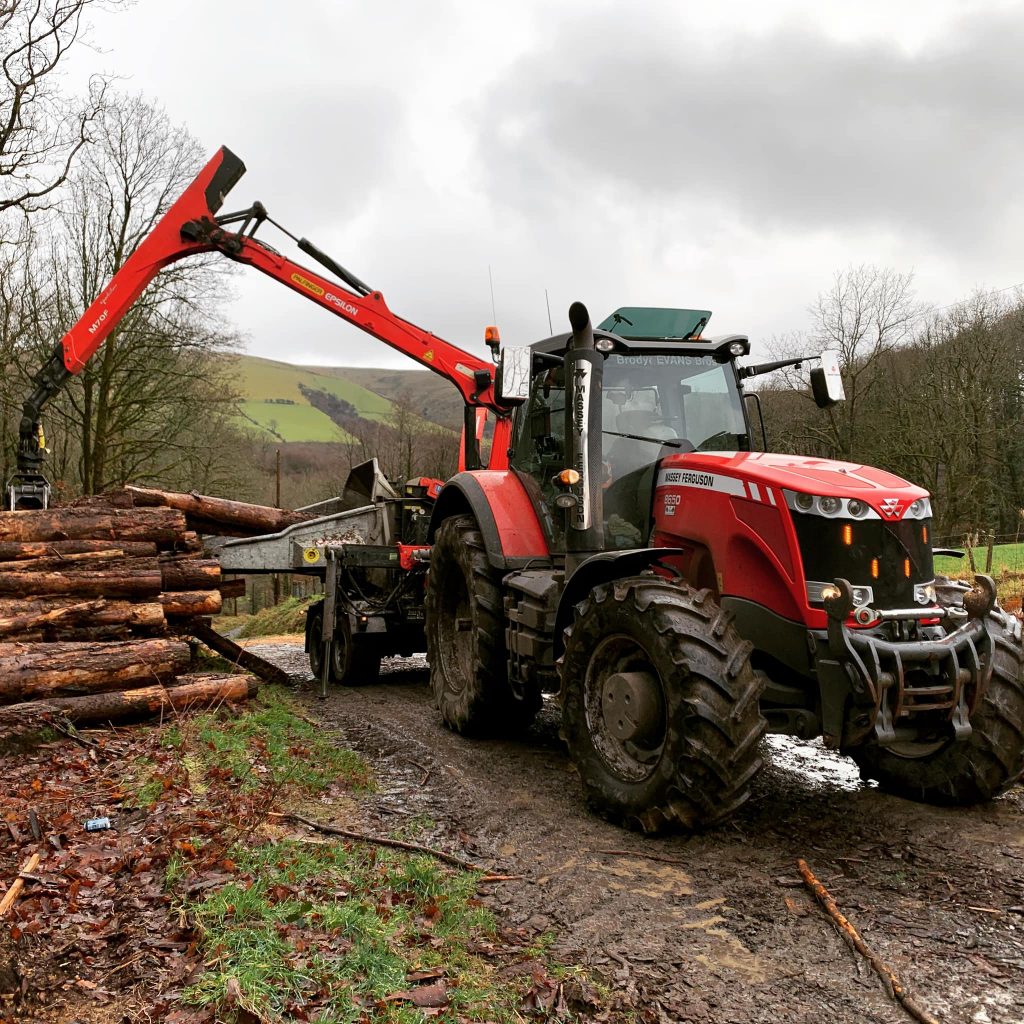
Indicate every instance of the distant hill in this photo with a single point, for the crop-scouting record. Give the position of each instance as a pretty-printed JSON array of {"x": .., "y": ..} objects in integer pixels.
[
  {"x": 432, "y": 397},
  {"x": 281, "y": 401},
  {"x": 277, "y": 400}
]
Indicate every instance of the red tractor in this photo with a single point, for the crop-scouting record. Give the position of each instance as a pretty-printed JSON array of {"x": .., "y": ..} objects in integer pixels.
[
  {"x": 628, "y": 550},
  {"x": 684, "y": 594}
]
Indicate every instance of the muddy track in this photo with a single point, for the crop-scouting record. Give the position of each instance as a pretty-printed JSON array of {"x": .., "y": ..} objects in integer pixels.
[{"x": 719, "y": 928}]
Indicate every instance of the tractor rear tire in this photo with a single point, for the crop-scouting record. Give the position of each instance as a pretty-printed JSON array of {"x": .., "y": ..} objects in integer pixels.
[
  {"x": 466, "y": 637},
  {"x": 980, "y": 767},
  {"x": 669, "y": 657}
]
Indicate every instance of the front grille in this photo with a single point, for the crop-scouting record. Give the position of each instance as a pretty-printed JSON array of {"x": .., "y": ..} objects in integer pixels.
[{"x": 894, "y": 548}]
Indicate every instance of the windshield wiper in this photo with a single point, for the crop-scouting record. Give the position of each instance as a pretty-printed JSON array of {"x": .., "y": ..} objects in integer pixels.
[{"x": 671, "y": 442}]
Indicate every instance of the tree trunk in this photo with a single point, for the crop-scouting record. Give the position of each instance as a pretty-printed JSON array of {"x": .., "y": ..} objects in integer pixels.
[
  {"x": 120, "y": 705},
  {"x": 63, "y": 669},
  {"x": 131, "y": 577},
  {"x": 186, "y": 603},
  {"x": 11, "y": 551},
  {"x": 161, "y": 525},
  {"x": 32, "y": 620},
  {"x": 102, "y": 613},
  {"x": 84, "y": 560},
  {"x": 239, "y": 656},
  {"x": 219, "y": 515},
  {"x": 190, "y": 574}
]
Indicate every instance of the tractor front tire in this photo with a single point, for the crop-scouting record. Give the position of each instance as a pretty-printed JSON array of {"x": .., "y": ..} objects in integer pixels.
[
  {"x": 466, "y": 636},
  {"x": 660, "y": 705},
  {"x": 980, "y": 767}
]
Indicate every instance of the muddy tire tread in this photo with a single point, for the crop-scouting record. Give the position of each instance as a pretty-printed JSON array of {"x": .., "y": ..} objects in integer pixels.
[
  {"x": 715, "y": 726},
  {"x": 488, "y": 705},
  {"x": 979, "y": 768}
]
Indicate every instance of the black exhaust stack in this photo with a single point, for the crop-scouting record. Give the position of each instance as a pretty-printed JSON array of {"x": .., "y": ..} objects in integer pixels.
[{"x": 584, "y": 372}]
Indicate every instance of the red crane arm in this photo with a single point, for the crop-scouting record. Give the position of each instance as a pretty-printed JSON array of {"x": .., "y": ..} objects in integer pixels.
[
  {"x": 161, "y": 247},
  {"x": 190, "y": 227}
]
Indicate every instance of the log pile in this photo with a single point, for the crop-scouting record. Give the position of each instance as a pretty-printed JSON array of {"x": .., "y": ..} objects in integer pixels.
[{"x": 97, "y": 601}]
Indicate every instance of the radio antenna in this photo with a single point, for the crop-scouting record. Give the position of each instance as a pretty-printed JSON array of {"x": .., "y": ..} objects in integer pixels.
[
  {"x": 548, "y": 303},
  {"x": 490, "y": 277}
]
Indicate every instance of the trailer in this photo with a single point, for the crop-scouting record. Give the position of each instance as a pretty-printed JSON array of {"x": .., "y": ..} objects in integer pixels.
[{"x": 368, "y": 548}]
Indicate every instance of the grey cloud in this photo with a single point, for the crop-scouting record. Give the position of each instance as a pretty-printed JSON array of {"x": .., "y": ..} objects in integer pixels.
[{"x": 791, "y": 129}]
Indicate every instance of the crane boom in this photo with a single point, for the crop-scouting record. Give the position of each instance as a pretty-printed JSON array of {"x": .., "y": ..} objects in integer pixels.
[{"x": 191, "y": 227}]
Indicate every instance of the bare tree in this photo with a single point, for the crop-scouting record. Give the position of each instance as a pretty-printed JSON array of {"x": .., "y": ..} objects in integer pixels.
[
  {"x": 866, "y": 314},
  {"x": 41, "y": 132}
]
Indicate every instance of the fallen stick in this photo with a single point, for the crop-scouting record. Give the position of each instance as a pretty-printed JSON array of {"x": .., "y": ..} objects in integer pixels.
[
  {"x": 852, "y": 937},
  {"x": 18, "y": 884},
  {"x": 359, "y": 837}
]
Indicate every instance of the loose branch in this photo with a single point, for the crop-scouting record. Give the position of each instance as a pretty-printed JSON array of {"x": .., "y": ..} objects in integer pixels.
[
  {"x": 852, "y": 937},
  {"x": 18, "y": 884},
  {"x": 359, "y": 837}
]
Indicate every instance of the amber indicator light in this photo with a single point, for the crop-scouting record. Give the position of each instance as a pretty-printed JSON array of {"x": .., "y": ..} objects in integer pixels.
[
  {"x": 924, "y": 534},
  {"x": 874, "y": 568},
  {"x": 906, "y": 567},
  {"x": 847, "y": 534}
]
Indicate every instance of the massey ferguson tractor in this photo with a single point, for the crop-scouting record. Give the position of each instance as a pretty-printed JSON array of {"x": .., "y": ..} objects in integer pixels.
[{"x": 626, "y": 549}]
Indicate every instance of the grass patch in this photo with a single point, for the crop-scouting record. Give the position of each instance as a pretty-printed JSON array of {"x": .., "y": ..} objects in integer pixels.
[
  {"x": 268, "y": 744},
  {"x": 290, "y": 423},
  {"x": 316, "y": 930},
  {"x": 287, "y": 617},
  {"x": 343, "y": 928}
]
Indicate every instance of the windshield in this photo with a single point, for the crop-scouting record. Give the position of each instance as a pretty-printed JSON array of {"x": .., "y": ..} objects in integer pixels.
[{"x": 690, "y": 402}]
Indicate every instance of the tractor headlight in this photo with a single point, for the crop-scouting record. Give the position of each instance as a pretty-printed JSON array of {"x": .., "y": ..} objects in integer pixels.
[
  {"x": 856, "y": 508},
  {"x": 804, "y": 502},
  {"x": 829, "y": 506},
  {"x": 920, "y": 508}
]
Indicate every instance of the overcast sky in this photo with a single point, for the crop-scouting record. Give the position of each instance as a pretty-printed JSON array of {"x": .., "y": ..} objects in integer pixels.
[{"x": 728, "y": 156}]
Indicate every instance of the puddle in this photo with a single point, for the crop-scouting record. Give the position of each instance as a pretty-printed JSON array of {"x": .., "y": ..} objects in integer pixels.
[{"x": 813, "y": 761}]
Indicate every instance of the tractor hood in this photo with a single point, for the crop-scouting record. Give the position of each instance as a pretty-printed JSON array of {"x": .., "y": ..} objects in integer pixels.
[{"x": 889, "y": 495}]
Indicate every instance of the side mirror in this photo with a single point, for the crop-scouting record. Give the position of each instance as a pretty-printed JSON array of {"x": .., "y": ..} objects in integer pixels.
[
  {"x": 513, "y": 377},
  {"x": 827, "y": 381}
]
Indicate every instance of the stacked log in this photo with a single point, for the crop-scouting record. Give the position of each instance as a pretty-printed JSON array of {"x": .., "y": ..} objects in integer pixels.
[
  {"x": 102, "y": 572},
  {"x": 95, "y": 604}
]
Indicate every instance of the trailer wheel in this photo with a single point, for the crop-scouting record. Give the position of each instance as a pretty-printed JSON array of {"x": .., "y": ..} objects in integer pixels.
[
  {"x": 351, "y": 663},
  {"x": 354, "y": 660},
  {"x": 978, "y": 768},
  {"x": 660, "y": 705},
  {"x": 315, "y": 639},
  {"x": 466, "y": 636}
]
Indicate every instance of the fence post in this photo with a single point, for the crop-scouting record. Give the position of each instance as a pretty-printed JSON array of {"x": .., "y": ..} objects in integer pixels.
[
  {"x": 988, "y": 556},
  {"x": 969, "y": 548}
]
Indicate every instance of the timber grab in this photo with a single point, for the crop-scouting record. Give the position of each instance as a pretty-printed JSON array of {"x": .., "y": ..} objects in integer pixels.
[{"x": 190, "y": 227}]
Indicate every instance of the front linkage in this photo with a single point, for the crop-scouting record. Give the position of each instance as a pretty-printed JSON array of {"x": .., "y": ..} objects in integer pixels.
[{"x": 923, "y": 673}]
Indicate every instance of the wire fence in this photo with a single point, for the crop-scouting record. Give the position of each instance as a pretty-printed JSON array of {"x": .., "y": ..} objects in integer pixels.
[{"x": 1000, "y": 556}]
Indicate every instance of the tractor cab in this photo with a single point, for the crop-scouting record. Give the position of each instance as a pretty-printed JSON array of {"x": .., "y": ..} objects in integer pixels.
[{"x": 662, "y": 389}]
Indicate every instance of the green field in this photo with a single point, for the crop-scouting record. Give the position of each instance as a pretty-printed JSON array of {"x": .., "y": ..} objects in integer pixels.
[
  {"x": 1006, "y": 558},
  {"x": 262, "y": 381},
  {"x": 290, "y": 422}
]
